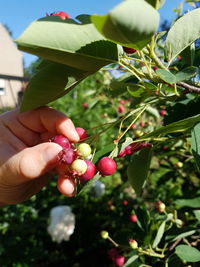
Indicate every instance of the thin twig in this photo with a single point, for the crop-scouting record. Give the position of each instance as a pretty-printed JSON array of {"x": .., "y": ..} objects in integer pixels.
[{"x": 190, "y": 88}]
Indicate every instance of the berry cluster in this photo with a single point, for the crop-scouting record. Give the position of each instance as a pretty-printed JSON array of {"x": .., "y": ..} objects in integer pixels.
[
  {"x": 132, "y": 148},
  {"x": 75, "y": 162}
]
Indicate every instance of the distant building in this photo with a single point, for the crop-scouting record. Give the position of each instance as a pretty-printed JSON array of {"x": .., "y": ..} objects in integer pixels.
[{"x": 11, "y": 70}]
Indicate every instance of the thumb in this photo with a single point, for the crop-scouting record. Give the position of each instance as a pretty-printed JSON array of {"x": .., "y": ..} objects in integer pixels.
[{"x": 34, "y": 161}]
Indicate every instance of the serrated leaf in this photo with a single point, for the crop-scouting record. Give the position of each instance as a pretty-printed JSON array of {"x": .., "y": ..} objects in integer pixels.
[
  {"x": 182, "y": 34},
  {"x": 68, "y": 42},
  {"x": 186, "y": 74},
  {"x": 138, "y": 169},
  {"x": 196, "y": 143},
  {"x": 131, "y": 23},
  {"x": 188, "y": 253},
  {"x": 166, "y": 76},
  {"x": 52, "y": 81}
]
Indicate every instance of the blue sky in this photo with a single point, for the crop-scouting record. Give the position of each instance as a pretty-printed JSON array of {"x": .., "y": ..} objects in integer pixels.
[{"x": 17, "y": 15}]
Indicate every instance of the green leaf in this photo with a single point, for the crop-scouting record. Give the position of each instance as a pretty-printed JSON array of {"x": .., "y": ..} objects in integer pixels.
[
  {"x": 154, "y": 2},
  {"x": 68, "y": 42},
  {"x": 182, "y": 235},
  {"x": 159, "y": 234},
  {"x": 197, "y": 214},
  {"x": 186, "y": 74},
  {"x": 153, "y": 111},
  {"x": 136, "y": 90},
  {"x": 103, "y": 151},
  {"x": 131, "y": 23},
  {"x": 166, "y": 76},
  {"x": 182, "y": 34},
  {"x": 188, "y": 253},
  {"x": 175, "y": 127},
  {"x": 192, "y": 203},
  {"x": 196, "y": 143},
  {"x": 127, "y": 142},
  {"x": 138, "y": 169},
  {"x": 52, "y": 81},
  {"x": 130, "y": 260}
]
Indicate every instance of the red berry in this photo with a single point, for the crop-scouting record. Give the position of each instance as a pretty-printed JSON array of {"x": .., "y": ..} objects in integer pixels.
[
  {"x": 163, "y": 112},
  {"x": 133, "y": 218},
  {"x": 62, "y": 141},
  {"x": 85, "y": 105},
  {"x": 133, "y": 126},
  {"x": 119, "y": 260},
  {"x": 122, "y": 153},
  {"x": 129, "y": 50},
  {"x": 60, "y": 14},
  {"x": 106, "y": 166},
  {"x": 68, "y": 156},
  {"x": 125, "y": 202},
  {"x": 142, "y": 124},
  {"x": 121, "y": 109},
  {"x": 90, "y": 172},
  {"x": 82, "y": 133},
  {"x": 154, "y": 67}
]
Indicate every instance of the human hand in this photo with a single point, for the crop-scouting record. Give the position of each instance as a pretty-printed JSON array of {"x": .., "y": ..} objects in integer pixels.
[{"x": 26, "y": 156}]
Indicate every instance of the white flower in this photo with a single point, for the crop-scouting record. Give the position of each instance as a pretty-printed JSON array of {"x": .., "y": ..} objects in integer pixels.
[{"x": 62, "y": 223}]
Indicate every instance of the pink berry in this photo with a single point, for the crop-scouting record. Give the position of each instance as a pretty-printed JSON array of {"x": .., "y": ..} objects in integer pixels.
[
  {"x": 62, "y": 141},
  {"x": 106, "y": 166},
  {"x": 133, "y": 126},
  {"x": 90, "y": 172},
  {"x": 122, "y": 153},
  {"x": 129, "y": 50},
  {"x": 121, "y": 109},
  {"x": 82, "y": 133},
  {"x": 60, "y": 14},
  {"x": 163, "y": 112},
  {"x": 68, "y": 156},
  {"x": 122, "y": 101},
  {"x": 133, "y": 218},
  {"x": 119, "y": 260}
]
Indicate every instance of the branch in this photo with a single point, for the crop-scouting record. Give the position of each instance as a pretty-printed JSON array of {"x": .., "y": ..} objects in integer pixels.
[{"x": 189, "y": 88}]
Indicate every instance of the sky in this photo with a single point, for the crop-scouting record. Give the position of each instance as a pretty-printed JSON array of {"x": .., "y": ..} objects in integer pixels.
[{"x": 17, "y": 15}]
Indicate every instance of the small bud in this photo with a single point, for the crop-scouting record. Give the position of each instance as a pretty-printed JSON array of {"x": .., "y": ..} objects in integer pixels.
[
  {"x": 133, "y": 244},
  {"x": 104, "y": 234},
  {"x": 160, "y": 206},
  {"x": 179, "y": 164}
]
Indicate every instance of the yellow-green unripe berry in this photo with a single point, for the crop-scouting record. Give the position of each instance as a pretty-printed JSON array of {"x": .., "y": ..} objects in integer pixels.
[
  {"x": 138, "y": 133},
  {"x": 179, "y": 164},
  {"x": 84, "y": 150},
  {"x": 80, "y": 166},
  {"x": 104, "y": 234},
  {"x": 133, "y": 244}
]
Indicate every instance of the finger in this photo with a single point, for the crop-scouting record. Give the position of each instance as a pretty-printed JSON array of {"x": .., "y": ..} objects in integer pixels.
[
  {"x": 26, "y": 135},
  {"x": 66, "y": 186},
  {"x": 7, "y": 138},
  {"x": 31, "y": 163},
  {"x": 47, "y": 119}
]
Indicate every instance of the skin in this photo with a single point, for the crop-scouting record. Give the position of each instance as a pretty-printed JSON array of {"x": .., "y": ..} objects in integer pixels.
[{"x": 27, "y": 158}]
